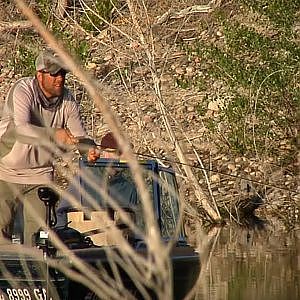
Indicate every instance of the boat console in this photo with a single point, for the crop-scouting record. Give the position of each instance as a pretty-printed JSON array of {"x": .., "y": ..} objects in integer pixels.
[{"x": 101, "y": 210}]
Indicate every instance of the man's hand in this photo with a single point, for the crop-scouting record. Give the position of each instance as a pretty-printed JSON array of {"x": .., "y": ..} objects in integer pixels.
[
  {"x": 64, "y": 136},
  {"x": 93, "y": 154}
]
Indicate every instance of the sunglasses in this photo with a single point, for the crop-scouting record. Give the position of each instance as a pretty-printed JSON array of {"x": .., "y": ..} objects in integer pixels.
[{"x": 59, "y": 73}]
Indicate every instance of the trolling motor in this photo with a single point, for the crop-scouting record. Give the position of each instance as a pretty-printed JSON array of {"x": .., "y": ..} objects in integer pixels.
[
  {"x": 50, "y": 198},
  {"x": 41, "y": 239},
  {"x": 72, "y": 238}
]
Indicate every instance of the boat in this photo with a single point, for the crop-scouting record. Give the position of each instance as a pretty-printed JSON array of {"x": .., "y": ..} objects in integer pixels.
[{"x": 27, "y": 276}]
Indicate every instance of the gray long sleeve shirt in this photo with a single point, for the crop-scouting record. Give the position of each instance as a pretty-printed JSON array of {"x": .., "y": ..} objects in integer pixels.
[{"x": 26, "y": 129}]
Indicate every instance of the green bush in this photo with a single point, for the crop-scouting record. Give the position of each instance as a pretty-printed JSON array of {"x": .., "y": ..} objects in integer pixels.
[
  {"x": 24, "y": 62},
  {"x": 93, "y": 17},
  {"x": 259, "y": 72},
  {"x": 90, "y": 16},
  {"x": 281, "y": 13}
]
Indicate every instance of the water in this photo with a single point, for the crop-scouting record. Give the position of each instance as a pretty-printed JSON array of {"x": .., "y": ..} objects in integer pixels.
[{"x": 251, "y": 265}]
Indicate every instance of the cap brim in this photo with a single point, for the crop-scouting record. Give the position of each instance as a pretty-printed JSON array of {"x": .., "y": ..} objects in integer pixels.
[{"x": 55, "y": 68}]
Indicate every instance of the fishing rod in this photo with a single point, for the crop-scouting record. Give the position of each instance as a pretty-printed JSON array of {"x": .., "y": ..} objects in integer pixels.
[
  {"x": 89, "y": 142},
  {"x": 217, "y": 172}
]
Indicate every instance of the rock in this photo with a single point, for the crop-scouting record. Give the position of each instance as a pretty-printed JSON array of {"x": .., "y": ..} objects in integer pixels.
[
  {"x": 213, "y": 105},
  {"x": 190, "y": 108},
  {"x": 103, "y": 34},
  {"x": 135, "y": 45},
  {"x": 179, "y": 71},
  {"x": 238, "y": 159},
  {"x": 191, "y": 117},
  {"x": 215, "y": 193},
  {"x": 91, "y": 66},
  {"x": 215, "y": 178},
  {"x": 190, "y": 71},
  {"x": 147, "y": 119},
  {"x": 231, "y": 167},
  {"x": 247, "y": 170},
  {"x": 166, "y": 78},
  {"x": 141, "y": 70},
  {"x": 108, "y": 56}
]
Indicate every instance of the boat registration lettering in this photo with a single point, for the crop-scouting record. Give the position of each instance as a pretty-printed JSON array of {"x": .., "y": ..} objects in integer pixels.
[{"x": 24, "y": 294}]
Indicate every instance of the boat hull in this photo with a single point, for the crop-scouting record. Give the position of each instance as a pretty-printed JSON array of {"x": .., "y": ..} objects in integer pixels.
[{"x": 29, "y": 277}]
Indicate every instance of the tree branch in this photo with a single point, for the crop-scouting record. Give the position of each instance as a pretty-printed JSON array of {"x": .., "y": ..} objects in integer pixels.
[
  {"x": 14, "y": 26},
  {"x": 172, "y": 14}
]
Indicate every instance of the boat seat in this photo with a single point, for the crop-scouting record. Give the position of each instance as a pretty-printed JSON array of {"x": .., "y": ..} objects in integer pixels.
[{"x": 102, "y": 228}]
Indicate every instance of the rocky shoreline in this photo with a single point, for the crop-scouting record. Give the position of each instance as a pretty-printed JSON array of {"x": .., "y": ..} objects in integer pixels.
[
  {"x": 120, "y": 66},
  {"x": 231, "y": 181}
]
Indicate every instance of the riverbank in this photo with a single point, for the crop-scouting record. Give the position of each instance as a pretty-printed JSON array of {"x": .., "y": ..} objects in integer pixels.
[{"x": 239, "y": 135}]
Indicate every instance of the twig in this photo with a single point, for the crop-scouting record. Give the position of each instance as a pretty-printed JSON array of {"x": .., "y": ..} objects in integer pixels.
[
  {"x": 61, "y": 6},
  {"x": 206, "y": 179},
  {"x": 172, "y": 14},
  {"x": 14, "y": 26}
]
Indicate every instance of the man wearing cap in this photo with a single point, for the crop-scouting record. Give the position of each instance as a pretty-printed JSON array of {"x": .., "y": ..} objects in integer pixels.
[
  {"x": 119, "y": 188},
  {"x": 40, "y": 117}
]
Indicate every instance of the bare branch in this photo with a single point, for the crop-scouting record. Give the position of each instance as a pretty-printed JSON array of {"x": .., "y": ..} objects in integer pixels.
[
  {"x": 14, "y": 26},
  {"x": 172, "y": 14},
  {"x": 61, "y": 6}
]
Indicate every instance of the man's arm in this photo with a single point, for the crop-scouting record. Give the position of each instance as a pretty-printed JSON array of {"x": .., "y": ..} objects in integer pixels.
[
  {"x": 85, "y": 144},
  {"x": 20, "y": 105},
  {"x": 21, "y": 108}
]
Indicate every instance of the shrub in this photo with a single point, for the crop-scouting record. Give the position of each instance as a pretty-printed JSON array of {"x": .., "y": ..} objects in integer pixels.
[{"x": 260, "y": 72}]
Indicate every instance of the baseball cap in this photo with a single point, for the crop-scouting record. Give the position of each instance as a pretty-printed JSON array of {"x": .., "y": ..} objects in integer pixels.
[{"x": 49, "y": 61}]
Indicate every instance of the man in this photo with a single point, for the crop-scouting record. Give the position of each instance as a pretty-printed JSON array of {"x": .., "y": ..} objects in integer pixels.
[
  {"x": 118, "y": 186},
  {"x": 40, "y": 118}
]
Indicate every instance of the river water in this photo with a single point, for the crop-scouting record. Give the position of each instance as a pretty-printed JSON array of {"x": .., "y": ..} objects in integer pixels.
[{"x": 251, "y": 264}]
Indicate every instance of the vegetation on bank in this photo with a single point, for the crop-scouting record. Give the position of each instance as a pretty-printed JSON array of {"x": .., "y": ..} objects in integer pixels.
[
  {"x": 245, "y": 58},
  {"x": 254, "y": 56},
  {"x": 88, "y": 18},
  {"x": 249, "y": 52}
]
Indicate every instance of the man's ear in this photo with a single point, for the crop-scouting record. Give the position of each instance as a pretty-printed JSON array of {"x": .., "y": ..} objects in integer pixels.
[{"x": 39, "y": 76}]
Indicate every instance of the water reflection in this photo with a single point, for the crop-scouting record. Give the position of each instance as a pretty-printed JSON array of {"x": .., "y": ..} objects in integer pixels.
[{"x": 252, "y": 264}]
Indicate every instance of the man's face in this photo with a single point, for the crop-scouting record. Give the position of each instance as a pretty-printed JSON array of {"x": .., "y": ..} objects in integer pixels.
[{"x": 52, "y": 85}]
